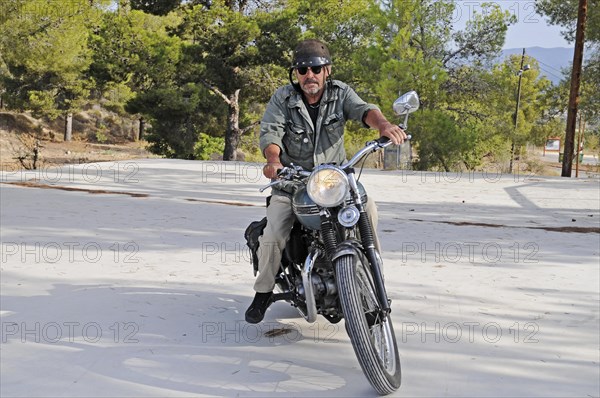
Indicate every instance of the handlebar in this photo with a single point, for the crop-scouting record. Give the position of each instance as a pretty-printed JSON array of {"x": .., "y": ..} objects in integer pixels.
[
  {"x": 384, "y": 140},
  {"x": 287, "y": 173},
  {"x": 293, "y": 171},
  {"x": 371, "y": 146}
]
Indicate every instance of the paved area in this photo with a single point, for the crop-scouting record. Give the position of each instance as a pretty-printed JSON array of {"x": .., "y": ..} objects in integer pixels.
[{"x": 131, "y": 279}]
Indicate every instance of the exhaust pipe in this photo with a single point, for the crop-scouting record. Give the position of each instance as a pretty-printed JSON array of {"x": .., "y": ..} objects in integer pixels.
[{"x": 309, "y": 295}]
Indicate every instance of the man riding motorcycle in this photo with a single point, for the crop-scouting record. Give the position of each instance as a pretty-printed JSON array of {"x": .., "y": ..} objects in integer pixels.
[{"x": 304, "y": 125}]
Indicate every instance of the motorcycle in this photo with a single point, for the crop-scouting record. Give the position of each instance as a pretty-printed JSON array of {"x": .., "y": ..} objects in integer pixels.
[{"x": 330, "y": 265}]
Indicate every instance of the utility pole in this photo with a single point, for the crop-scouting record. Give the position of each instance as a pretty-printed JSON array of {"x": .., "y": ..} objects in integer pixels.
[
  {"x": 512, "y": 145},
  {"x": 567, "y": 165}
]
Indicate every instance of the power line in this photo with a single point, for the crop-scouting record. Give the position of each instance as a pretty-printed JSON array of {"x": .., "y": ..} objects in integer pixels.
[
  {"x": 550, "y": 73},
  {"x": 549, "y": 66}
]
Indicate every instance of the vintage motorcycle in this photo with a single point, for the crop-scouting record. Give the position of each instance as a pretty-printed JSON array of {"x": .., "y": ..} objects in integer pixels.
[{"x": 330, "y": 265}]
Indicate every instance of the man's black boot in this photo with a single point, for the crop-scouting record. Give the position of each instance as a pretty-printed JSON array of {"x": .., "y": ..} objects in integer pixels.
[{"x": 256, "y": 312}]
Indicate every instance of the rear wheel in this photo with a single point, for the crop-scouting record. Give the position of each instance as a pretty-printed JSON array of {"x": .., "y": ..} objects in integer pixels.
[{"x": 372, "y": 336}]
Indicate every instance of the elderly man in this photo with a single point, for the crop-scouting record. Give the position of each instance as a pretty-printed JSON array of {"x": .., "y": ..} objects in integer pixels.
[{"x": 304, "y": 125}]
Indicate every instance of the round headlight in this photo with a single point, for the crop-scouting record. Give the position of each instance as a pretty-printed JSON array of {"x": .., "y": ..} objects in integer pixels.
[{"x": 327, "y": 186}]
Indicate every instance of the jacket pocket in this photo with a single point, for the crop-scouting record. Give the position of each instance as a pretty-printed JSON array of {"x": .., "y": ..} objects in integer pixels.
[
  {"x": 334, "y": 127},
  {"x": 296, "y": 141}
]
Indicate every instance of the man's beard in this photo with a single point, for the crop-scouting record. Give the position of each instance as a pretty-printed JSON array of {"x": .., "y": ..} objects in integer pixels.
[{"x": 313, "y": 90}]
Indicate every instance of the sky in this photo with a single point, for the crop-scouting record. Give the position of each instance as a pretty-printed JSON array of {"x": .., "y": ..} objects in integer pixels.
[{"x": 531, "y": 29}]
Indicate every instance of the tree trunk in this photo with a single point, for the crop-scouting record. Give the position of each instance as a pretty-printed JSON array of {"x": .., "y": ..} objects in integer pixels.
[
  {"x": 36, "y": 154},
  {"x": 233, "y": 133},
  {"x": 141, "y": 129},
  {"x": 567, "y": 165},
  {"x": 68, "y": 126}
]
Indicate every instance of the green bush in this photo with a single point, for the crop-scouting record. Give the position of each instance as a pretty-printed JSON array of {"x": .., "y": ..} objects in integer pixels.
[
  {"x": 250, "y": 146},
  {"x": 206, "y": 146}
]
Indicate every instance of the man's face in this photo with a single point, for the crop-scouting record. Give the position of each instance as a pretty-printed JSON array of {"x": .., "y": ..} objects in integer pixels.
[{"x": 313, "y": 83}]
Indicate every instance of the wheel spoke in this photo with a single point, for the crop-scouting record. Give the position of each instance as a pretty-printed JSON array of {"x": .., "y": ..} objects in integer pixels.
[
  {"x": 377, "y": 327},
  {"x": 371, "y": 332}
]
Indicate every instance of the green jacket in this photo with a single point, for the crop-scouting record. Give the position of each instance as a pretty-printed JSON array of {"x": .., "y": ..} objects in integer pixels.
[{"x": 287, "y": 124}]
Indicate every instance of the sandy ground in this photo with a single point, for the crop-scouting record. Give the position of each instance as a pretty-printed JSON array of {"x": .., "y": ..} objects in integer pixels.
[
  {"x": 131, "y": 279},
  {"x": 56, "y": 153}
]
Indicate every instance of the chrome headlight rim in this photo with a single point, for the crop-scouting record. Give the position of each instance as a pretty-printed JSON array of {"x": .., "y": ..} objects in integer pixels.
[{"x": 332, "y": 197}]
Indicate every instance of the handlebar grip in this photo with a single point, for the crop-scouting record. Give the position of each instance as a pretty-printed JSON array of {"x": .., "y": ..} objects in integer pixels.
[{"x": 383, "y": 140}]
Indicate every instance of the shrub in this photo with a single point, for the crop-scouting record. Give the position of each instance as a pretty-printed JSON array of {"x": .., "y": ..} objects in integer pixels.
[{"x": 207, "y": 146}]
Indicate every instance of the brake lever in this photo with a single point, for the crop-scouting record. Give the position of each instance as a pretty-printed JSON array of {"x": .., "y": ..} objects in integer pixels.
[
  {"x": 270, "y": 185},
  {"x": 282, "y": 175},
  {"x": 287, "y": 174}
]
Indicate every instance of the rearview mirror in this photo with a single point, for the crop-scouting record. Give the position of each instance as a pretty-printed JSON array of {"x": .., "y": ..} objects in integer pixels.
[{"x": 406, "y": 103}]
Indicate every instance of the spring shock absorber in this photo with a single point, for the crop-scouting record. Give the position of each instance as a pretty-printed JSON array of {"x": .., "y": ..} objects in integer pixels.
[{"x": 328, "y": 234}]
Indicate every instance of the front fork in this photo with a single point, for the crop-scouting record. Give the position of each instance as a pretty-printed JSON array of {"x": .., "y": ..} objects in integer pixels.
[{"x": 368, "y": 240}]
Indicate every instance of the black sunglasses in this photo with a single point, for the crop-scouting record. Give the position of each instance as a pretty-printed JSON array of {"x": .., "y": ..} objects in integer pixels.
[{"x": 303, "y": 70}]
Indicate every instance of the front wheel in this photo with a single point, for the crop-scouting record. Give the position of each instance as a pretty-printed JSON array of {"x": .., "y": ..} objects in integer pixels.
[{"x": 372, "y": 337}]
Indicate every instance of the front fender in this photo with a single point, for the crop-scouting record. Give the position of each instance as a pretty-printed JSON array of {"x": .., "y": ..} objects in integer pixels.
[{"x": 350, "y": 246}]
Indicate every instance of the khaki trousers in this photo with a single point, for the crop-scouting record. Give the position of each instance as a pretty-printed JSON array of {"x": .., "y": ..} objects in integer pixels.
[{"x": 280, "y": 220}]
